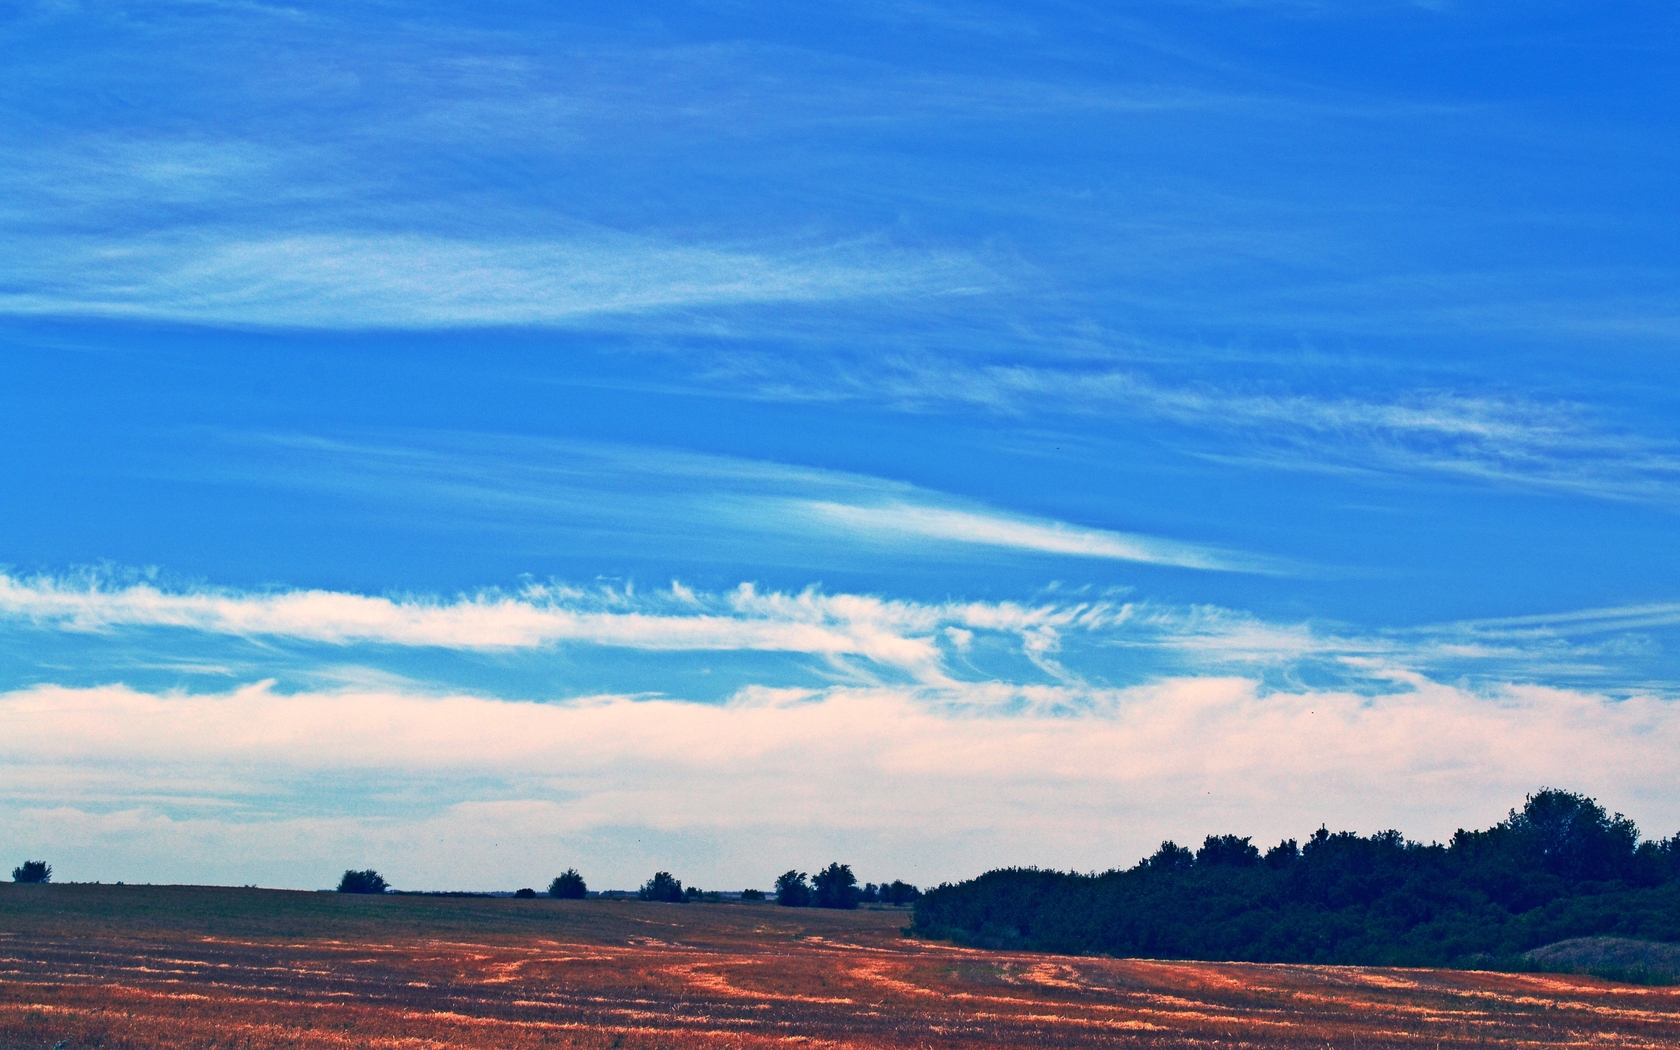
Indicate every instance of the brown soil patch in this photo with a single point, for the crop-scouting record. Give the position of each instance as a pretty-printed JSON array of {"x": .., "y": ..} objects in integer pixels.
[{"x": 137, "y": 968}]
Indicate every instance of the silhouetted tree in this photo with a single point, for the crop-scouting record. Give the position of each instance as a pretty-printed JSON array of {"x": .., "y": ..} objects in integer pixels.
[
  {"x": 792, "y": 890},
  {"x": 869, "y": 894},
  {"x": 32, "y": 871},
  {"x": 1656, "y": 862},
  {"x": 568, "y": 886},
  {"x": 835, "y": 887},
  {"x": 1283, "y": 854},
  {"x": 525, "y": 894},
  {"x": 1171, "y": 858},
  {"x": 752, "y": 895},
  {"x": 662, "y": 887},
  {"x": 1572, "y": 837},
  {"x": 899, "y": 892},
  {"x": 1228, "y": 850},
  {"x": 367, "y": 881}
]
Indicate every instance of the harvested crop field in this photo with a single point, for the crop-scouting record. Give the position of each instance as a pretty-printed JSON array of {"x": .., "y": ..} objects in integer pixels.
[{"x": 181, "y": 967}]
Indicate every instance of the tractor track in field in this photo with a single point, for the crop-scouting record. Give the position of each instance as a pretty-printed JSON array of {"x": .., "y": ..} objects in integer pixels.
[{"x": 632, "y": 976}]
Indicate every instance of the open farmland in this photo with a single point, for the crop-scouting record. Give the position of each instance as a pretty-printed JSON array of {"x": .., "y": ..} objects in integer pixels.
[{"x": 179, "y": 967}]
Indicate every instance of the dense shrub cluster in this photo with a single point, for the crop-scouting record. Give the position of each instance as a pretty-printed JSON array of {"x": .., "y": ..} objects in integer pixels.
[
  {"x": 836, "y": 887},
  {"x": 32, "y": 871},
  {"x": 366, "y": 881},
  {"x": 895, "y": 892},
  {"x": 1561, "y": 867},
  {"x": 663, "y": 887}
]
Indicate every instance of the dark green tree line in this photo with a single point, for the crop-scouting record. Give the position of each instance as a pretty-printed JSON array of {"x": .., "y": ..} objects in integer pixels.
[{"x": 1560, "y": 867}]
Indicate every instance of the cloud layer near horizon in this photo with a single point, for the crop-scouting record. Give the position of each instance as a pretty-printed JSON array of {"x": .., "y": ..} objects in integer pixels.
[
  {"x": 948, "y": 737},
  {"x": 437, "y": 789}
]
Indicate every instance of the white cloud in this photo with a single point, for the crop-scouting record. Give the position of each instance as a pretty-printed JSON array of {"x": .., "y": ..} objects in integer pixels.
[
  {"x": 810, "y": 623},
  {"x": 357, "y": 281},
  {"x": 860, "y": 637},
  {"x": 652, "y": 486},
  {"x": 1576, "y": 622},
  {"x": 1489, "y": 439},
  {"x": 993, "y": 529},
  {"x": 934, "y": 781},
  {"x": 895, "y": 634}
]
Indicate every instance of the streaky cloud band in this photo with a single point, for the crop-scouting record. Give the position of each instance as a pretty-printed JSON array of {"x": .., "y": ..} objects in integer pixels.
[
  {"x": 896, "y": 634},
  {"x": 487, "y": 621},
  {"x": 350, "y": 281},
  {"x": 745, "y": 496},
  {"x": 1065, "y": 642},
  {"x": 1028, "y": 534}
]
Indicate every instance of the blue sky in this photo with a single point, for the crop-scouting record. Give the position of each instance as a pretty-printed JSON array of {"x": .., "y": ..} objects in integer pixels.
[{"x": 479, "y": 440}]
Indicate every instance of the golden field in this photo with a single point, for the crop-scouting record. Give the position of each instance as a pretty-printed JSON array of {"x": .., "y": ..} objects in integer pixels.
[{"x": 193, "y": 967}]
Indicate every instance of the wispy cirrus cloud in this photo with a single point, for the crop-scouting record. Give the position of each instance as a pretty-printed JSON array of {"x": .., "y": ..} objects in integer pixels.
[
  {"x": 743, "y": 621},
  {"x": 899, "y": 635},
  {"x": 993, "y": 529},
  {"x": 1493, "y": 439},
  {"x": 1574, "y": 622},
  {"x": 648, "y": 487},
  {"x": 1009, "y": 647},
  {"x": 357, "y": 281}
]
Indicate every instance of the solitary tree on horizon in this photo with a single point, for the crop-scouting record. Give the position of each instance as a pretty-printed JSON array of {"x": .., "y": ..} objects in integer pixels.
[
  {"x": 365, "y": 881},
  {"x": 32, "y": 871},
  {"x": 568, "y": 886}
]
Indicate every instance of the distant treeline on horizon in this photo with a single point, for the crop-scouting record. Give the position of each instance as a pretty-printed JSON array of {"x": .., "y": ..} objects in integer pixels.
[
  {"x": 1560, "y": 868},
  {"x": 833, "y": 887}
]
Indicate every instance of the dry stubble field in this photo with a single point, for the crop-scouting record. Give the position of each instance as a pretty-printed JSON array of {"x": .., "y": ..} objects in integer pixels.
[{"x": 187, "y": 967}]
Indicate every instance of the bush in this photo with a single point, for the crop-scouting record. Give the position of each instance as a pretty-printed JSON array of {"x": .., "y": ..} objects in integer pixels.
[
  {"x": 752, "y": 895},
  {"x": 366, "y": 881},
  {"x": 525, "y": 894},
  {"x": 834, "y": 887},
  {"x": 568, "y": 887},
  {"x": 792, "y": 890},
  {"x": 662, "y": 887},
  {"x": 32, "y": 871}
]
